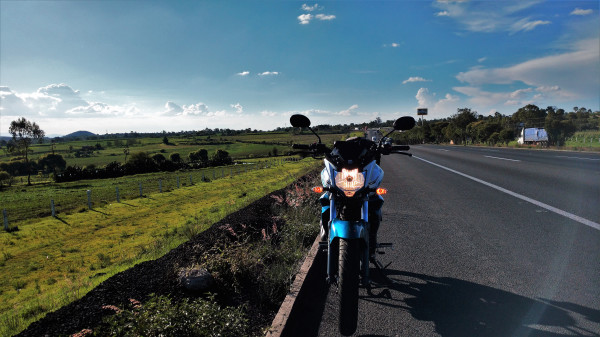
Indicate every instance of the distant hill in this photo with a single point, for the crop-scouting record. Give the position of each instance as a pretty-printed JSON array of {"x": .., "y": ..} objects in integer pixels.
[{"x": 80, "y": 134}]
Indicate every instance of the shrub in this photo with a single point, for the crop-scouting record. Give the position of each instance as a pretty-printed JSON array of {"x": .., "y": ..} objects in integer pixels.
[{"x": 161, "y": 316}]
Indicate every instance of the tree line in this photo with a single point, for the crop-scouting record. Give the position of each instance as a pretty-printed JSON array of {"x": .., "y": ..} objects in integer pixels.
[{"x": 469, "y": 127}]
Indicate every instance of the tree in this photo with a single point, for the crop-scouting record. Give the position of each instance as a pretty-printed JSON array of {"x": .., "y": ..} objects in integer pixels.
[
  {"x": 24, "y": 133},
  {"x": 52, "y": 163},
  {"x": 4, "y": 178},
  {"x": 221, "y": 157},
  {"x": 462, "y": 118},
  {"x": 165, "y": 140}
]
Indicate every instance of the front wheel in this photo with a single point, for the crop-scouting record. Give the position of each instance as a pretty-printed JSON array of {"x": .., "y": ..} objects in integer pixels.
[{"x": 349, "y": 268}]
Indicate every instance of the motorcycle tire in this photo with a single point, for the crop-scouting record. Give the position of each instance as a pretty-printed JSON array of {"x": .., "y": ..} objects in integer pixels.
[{"x": 349, "y": 269}]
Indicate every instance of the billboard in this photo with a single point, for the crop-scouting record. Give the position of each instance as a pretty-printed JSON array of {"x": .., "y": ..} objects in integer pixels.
[{"x": 422, "y": 111}]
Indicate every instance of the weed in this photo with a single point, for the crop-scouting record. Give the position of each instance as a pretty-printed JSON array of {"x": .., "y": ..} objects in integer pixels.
[
  {"x": 161, "y": 316},
  {"x": 104, "y": 260},
  {"x": 19, "y": 284}
]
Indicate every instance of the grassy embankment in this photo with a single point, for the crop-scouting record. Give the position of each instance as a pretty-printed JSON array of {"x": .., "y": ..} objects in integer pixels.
[{"x": 50, "y": 262}]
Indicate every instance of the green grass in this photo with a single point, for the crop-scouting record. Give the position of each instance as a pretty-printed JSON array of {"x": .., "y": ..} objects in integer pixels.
[
  {"x": 49, "y": 262},
  {"x": 25, "y": 202},
  {"x": 585, "y": 139},
  {"x": 240, "y": 147}
]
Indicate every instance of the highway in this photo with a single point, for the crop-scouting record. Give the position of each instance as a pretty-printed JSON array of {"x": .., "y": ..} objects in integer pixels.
[{"x": 487, "y": 242}]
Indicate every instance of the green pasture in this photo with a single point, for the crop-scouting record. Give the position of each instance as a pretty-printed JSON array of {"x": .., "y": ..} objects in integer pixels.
[
  {"x": 239, "y": 147},
  {"x": 584, "y": 139},
  {"x": 50, "y": 262},
  {"x": 25, "y": 202}
]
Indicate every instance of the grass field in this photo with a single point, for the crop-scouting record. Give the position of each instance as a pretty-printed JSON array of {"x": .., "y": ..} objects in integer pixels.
[
  {"x": 50, "y": 261},
  {"x": 25, "y": 202},
  {"x": 239, "y": 147}
]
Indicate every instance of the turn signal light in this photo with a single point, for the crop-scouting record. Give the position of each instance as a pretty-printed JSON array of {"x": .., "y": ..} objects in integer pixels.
[
  {"x": 381, "y": 191},
  {"x": 317, "y": 189}
]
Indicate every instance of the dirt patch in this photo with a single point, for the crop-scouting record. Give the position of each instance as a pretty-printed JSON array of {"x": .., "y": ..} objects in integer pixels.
[{"x": 160, "y": 276}]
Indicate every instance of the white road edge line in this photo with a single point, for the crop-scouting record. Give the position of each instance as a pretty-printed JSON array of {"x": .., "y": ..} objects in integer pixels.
[
  {"x": 502, "y": 158},
  {"x": 519, "y": 196}
]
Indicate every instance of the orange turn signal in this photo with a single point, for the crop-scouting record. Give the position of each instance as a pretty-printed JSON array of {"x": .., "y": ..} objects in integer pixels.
[
  {"x": 381, "y": 191},
  {"x": 317, "y": 189}
]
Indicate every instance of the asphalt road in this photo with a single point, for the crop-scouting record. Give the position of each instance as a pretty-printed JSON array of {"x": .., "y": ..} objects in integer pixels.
[{"x": 487, "y": 242}]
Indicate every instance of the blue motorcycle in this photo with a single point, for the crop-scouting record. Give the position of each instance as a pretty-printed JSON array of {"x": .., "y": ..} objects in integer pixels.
[{"x": 351, "y": 204}]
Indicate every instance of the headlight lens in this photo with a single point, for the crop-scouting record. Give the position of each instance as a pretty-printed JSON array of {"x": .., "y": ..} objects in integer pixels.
[{"x": 349, "y": 181}]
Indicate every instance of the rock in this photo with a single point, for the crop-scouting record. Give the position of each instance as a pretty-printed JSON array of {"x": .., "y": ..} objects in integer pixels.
[{"x": 196, "y": 279}]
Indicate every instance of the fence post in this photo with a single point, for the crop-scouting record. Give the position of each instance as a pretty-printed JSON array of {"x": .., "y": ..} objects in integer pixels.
[
  {"x": 118, "y": 196},
  {"x": 160, "y": 185},
  {"x": 89, "y": 195},
  {"x": 141, "y": 189},
  {"x": 5, "y": 216},
  {"x": 191, "y": 179},
  {"x": 177, "y": 181},
  {"x": 214, "y": 174},
  {"x": 52, "y": 208}
]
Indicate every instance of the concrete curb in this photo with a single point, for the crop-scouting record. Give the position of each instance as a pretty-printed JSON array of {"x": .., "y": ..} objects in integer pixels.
[{"x": 281, "y": 319}]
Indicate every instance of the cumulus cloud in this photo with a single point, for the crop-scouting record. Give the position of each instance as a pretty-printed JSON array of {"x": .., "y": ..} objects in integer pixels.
[
  {"x": 306, "y": 18},
  {"x": 437, "y": 107},
  {"x": 489, "y": 16},
  {"x": 57, "y": 100},
  {"x": 392, "y": 45},
  {"x": 415, "y": 79},
  {"x": 238, "y": 107},
  {"x": 579, "y": 11},
  {"x": 243, "y": 73}
]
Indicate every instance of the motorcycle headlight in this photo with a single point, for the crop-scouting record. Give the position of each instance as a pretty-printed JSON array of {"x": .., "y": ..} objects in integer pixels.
[{"x": 349, "y": 181}]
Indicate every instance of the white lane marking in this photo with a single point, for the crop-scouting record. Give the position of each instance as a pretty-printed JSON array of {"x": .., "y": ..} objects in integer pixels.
[
  {"x": 443, "y": 150},
  {"x": 566, "y": 214},
  {"x": 581, "y": 158},
  {"x": 502, "y": 158}
]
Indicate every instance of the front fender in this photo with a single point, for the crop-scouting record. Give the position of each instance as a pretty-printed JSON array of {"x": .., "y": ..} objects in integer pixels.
[{"x": 347, "y": 229}]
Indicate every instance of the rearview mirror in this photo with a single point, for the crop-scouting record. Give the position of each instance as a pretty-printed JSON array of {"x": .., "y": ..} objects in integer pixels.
[
  {"x": 404, "y": 123},
  {"x": 300, "y": 121}
]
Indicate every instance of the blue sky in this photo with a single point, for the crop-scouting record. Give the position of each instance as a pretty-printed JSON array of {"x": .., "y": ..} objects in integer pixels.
[{"x": 147, "y": 66}]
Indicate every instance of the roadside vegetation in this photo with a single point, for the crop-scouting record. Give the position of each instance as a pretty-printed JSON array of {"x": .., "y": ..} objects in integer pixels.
[
  {"x": 49, "y": 262},
  {"x": 467, "y": 127}
]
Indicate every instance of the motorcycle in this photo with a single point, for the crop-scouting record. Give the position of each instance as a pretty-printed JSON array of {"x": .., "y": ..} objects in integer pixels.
[{"x": 351, "y": 210}]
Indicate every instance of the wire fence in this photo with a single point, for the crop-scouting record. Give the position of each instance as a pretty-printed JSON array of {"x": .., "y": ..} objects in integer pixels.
[{"x": 54, "y": 199}]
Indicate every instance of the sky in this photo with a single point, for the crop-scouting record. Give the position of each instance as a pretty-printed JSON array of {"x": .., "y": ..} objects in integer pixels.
[{"x": 152, "y": 66}]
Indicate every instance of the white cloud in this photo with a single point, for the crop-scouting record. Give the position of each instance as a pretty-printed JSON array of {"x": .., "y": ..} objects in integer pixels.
[
  {"x": 238, "y": 107},
  {"x": 243, "y": 73},
  {"x": 197, "y": 109},
  {"x": 325, "y": 17},
  {"x": 392, "y": 45},
  {"x": 268, "y": 113},
  {"x": 576, "y": 71},
  {"x": 269, "y": 73},
  {"x": 57, "y": 100},
  {"x": 308, "y": 8},
  {"x": 172, "y": 109},
  {"x": 482, "y": 59},
  {"x": 526, "y": 25},
  {"x": 415, "y": 79},
  {"x": 348, "y": 111},
  {"x": 437, "y": 107},
  {"x": 489, "y": 16},
  {"x": 305, "y": 18},
  {"x": 579, "y": 11}
]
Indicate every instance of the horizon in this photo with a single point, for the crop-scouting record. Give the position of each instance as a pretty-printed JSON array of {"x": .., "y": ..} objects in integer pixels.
[{"x": 117, "y": 67}]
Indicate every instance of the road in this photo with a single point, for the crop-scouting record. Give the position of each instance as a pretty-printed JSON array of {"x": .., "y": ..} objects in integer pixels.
[{"x": 487, "y": 242}]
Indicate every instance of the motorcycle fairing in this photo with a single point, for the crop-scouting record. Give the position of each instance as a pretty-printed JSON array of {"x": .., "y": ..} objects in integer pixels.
[{"x": 347, "y": 229}]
